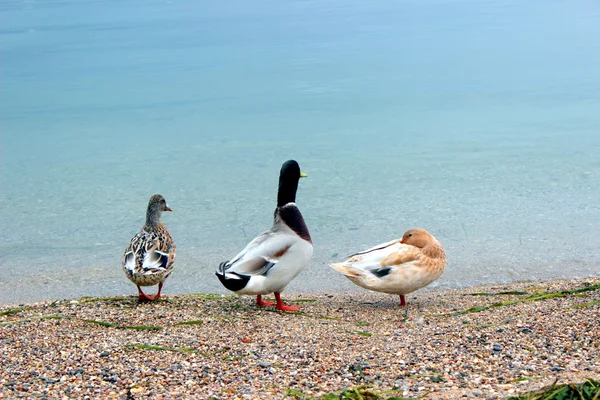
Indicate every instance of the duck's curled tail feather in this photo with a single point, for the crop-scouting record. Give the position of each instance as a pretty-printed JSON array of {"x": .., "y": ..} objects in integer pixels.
[{"x": 231, "y": 280}]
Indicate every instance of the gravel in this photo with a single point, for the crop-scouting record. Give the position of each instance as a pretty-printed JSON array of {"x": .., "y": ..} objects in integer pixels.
[{"x": 223, "y": 347}]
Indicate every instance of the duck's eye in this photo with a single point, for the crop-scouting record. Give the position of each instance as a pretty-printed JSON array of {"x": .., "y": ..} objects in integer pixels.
[{"x": 410, "y": 235}]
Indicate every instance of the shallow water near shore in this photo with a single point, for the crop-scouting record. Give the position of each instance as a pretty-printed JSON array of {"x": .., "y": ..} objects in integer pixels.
[{"x": 478, "y": 121}]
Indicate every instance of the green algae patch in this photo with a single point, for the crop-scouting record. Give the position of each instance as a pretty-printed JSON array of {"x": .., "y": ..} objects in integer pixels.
[
  {"x": 588, "y": 390},
  {"x": 193, "y": 322},
  {"x": 160, "y": 348},
  {"x": 353, "y": 393},
  {"x": 12, "y": 311},
  {"x": 533, "y": 297},
  {"x": 132, "y": 327}
]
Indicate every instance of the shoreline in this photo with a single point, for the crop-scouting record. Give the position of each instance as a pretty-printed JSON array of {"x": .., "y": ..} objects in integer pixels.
[
  {"x": 304, "y": 284},
  {"x": 488, "y": 341}
]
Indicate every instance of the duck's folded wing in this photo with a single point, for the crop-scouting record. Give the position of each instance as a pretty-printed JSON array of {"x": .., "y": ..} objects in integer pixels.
[
  {"x": 404, "y": 255},
  {"x": 155, "y": 261},
  {"x": 380, "y": 246},
  {"x": 382, "y": 260},
  {"x": 260, "y": 255},
  {"x": 146, "y": 253},
  {"x": 129, "y": 260},
  {"x": 374, "y": 255},
  {"x": 134, "y": 254}
]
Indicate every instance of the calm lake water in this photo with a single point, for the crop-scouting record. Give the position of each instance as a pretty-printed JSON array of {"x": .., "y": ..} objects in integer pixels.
[{"x": 477, "y": 120}]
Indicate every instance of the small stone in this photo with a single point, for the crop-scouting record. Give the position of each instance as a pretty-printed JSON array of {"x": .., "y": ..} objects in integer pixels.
[
  {"x": 497, "y": 347},
  {"x": 265, "y": 364},
  {"x": 105, "y": 353}
]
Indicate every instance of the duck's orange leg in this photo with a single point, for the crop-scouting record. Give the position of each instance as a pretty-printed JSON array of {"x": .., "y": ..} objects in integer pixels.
[
  {"x": 261, "y": 303},
  {"x": 143, "y": 296},
  {"x": 402, "y": 301},
  {"x": 157, "y": 295},
  {"x": 282, "y": 307}
]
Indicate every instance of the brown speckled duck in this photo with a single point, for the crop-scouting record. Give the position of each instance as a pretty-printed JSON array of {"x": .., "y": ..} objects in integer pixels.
[
  {"x": 149, "y": 258},
  {"x": 399, "y": 267}
]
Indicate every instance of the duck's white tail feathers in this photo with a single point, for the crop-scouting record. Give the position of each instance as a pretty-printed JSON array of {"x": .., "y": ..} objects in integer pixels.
[{"x": 347, "y": 270}]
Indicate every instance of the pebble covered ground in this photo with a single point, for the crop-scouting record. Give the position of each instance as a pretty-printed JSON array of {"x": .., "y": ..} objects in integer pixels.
[{"x": 482, "y": 342}]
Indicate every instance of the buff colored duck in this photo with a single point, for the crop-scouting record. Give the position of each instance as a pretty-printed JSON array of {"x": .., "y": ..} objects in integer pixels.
[
  {"x": 275, "y": 257},
  {"x": 149, "y": 258},
  {"x": 399, "y": 267}
]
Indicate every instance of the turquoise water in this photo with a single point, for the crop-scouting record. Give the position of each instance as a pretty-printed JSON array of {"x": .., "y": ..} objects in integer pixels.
[{"x": 477, "y": 120}]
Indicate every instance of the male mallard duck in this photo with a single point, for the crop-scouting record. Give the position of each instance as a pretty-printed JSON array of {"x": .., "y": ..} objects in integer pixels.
[
  {"x": 275, "y": 257},
  {"x": 149, "y": 258},
  {"x": 397, "y": 267}
]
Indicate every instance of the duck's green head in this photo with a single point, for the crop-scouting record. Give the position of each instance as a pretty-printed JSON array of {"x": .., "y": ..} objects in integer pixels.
[{"x": 288, "y": 182}]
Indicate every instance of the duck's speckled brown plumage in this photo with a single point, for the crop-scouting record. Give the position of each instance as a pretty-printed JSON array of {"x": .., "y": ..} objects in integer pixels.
[
  {"x": 149, "y": 258},
  {"x": 147, "y": 241}
]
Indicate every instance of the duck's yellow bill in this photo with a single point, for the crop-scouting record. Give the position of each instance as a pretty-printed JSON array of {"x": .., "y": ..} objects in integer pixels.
[{"x": 303, "y": 175}]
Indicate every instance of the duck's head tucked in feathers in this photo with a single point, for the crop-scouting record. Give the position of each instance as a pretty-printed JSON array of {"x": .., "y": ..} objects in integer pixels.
[
  {"x": 425, "y": 241},
  {"x": 417, "y": 237},
  {"x": 156, "y": 206}
]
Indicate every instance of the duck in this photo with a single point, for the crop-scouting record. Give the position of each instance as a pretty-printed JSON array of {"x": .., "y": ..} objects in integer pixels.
[
  {"x": 149, "y": 258},
  {"x": 400, "y": 266},
  {"x": 275, "y": 257}
]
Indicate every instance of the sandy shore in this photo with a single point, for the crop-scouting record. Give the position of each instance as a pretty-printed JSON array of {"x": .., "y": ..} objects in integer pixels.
[{"x": 482, "y": 342}]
